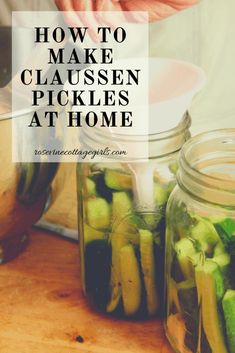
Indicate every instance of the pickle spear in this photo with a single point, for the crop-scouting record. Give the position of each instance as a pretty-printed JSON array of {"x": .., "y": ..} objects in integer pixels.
[
  {"x": 229, "y": 314},
  {"x": 210, "y": 289},
  {"x": 131, "y": 282},
  {"x": 148, "y": 270}
]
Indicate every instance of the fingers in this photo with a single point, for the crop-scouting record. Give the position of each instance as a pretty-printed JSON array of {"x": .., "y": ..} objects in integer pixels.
[
  {"x": 82, "y": 5},
  {"x": 69, "y": 15},
  {"x": 107, "y": 7},
  {"x": 64, "y": 5},
  {"x": 99, "y": 5},
  {"x": 92, "y": 14}
]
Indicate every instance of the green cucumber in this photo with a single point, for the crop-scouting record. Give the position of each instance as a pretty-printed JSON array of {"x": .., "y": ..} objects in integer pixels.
[
  {"x": 229, "y": 314},
  {"x": 121, "y": 208},
  {"x": 124, "y": 232},
  {"x": 228, "y": 225},
  {"x": 131, "y": 280},
  {"x": 219, "y": 249},
  {"x": 226, "y": 230},
  {"x": 185, "y": 250},
  {"x": 122, "y": 204},
  {"x": 161, "y": 194},
  {"x": 148, "y": 270},
  {"x": 98, "y": 213},
  {"x": 152, "y": 219},
  {"x": 91, "y": 234},
  {"x": 101, "y": 188},
  {"x": 170, "y": 187},
  {"x": 210, "y": 288},
  {"x": 204, "y": 232},
  {"x": 101, "y": 167},
  {"x": 181, "y": 220},
  {"x": 118, "y": 240},
  {"x": 173, "y": 167},
  {"x": 118, "y": 180},
  {"x": 90, "y": 187},
  {"x": 223, "y": 260}
]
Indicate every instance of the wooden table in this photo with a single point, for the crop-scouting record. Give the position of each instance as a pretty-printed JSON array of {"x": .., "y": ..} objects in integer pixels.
[{"x": 42, "y": 309}]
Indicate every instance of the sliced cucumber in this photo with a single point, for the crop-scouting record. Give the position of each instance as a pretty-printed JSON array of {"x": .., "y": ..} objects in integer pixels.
[
  {"x": 219, "y": 249},
  {"x": 121, "y": 207},
  {"x": 152, "y": 219},
  {"x": 91, "y": 234},
  {"x": 210, "y": 290},
  {"x": 204, "y": 232},
  {"x": 98, "y": 213},
  {"x": 122, "y": 204},
  {"x": 90, "y": 187},
  {"x": 148, "y": 270},
  {"x": 160, "y": 194},
  {"x": 228, "y": 225},
  {"x": 223, "y": 260},
  {"x": 226, "y": 230},
  {"x": 173, "y": 167},
  {"x": 185, "y": 251},
  {"x": 101, "y": 188},
  {"x": 117, "y": 180},
  {"x": 229, "y": 314},
  {"x": 118, "y": 240},
  {"x": 170, "y": 187},
  {"x": 131, "y": 281}
]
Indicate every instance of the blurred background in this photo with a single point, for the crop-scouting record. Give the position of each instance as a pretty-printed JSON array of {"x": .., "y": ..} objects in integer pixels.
[{"x": 203, "y": 35}]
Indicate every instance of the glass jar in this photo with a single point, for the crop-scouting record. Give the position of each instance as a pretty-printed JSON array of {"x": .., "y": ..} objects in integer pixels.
[
  {"x": 24, "y": 191},
  {"x": 122, "y": 234},
  {"x": 200, "y": 247}
]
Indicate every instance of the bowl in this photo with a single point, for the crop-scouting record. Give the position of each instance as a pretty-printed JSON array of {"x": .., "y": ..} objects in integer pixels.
[{"x": 24, "y": 187}]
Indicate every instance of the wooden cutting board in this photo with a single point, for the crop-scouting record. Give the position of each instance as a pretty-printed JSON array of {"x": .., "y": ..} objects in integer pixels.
[{"x": 42, "y": 309}]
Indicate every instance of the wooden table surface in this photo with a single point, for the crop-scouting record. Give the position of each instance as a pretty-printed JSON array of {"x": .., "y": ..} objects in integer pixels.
[{"x": 42, "y": 309}]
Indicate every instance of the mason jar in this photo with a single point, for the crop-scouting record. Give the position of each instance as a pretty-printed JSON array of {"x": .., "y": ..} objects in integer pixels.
[
  {"x": 122, "y": 232},
  {"x": 200, "y": 247}
]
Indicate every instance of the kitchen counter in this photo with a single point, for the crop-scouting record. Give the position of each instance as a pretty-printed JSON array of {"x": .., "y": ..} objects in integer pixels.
[{"x": 42, "y": 309}]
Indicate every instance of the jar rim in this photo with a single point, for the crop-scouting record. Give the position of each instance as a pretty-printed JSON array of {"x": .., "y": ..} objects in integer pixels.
[
  {"x": 184, "y": 124},
  {"x": 159, "y": 144},
  {"x": 198, "y": 160}
]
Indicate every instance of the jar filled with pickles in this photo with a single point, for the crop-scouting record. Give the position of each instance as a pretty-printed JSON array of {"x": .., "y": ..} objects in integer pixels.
[
  {"x": 200, "y": 247},
  {"x": 121, "y": 219}
]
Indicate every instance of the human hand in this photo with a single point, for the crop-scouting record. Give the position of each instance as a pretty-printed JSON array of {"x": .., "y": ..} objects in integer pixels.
[{"x": 157, "y": 9}]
